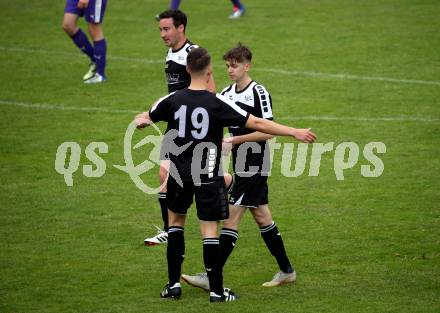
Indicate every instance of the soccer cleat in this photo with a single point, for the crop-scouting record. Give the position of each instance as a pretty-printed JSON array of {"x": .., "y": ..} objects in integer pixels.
[
  {"x": 95, "y": 79},
  {"x": 171, "y": 292},
  {"x": 91, "y": 72},
  {"x": 227, "y": 296},
  {"x": 237, "y": 14},
  {"x": 199, "y": 280},
  {"x": 281, "y": 278},
  {"x": 160, "y": 238}
]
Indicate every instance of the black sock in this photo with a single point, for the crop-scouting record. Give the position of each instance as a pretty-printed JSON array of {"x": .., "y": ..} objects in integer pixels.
[
  {"x": 228, "y": 238},
  {"x": 175, "y": 253},
  {"x": 275, "y": 244},
  {"x": 162, "y": 197},
  {"x": 211, "y": 253}
]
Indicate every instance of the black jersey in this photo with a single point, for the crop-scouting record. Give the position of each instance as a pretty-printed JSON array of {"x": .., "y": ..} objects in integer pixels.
[
  {"x": 197, "y": 118},
  {"x": 175, "y": 68},
  {"x": 256, "y": 100}
]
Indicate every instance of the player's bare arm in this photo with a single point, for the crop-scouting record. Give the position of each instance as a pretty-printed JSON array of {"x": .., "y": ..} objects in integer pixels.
[
  {"x": 252, "y": 137},
  {"x": 270, "y": 127}
]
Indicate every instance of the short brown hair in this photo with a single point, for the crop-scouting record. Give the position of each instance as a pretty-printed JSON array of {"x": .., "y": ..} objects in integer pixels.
[
  {"x": 179, "y": 18},
  {"x": 240, "y": 53},
  {"x": 198, "y": 60}
]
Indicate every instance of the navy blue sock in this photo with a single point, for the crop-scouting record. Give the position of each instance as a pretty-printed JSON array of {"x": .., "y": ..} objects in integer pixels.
[
  {"x": 237, "y": 4},
  {"x": 100, "y": 56},
  {"x": 81, "y": 41},
  {"x": 174, "y": 4}
]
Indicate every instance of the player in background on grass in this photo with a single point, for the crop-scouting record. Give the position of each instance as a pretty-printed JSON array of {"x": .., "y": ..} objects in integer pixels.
[
  {"x": 238, "y": 11},
  {"x": 198, "y": 117},
  {"x": 172, "y": 26},
  {"x": 238, "y": 8},
  {"x": 250, "y": 189},
  {"x": 93, "y": 12}
]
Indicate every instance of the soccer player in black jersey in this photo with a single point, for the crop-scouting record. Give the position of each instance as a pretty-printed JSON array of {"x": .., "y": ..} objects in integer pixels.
[
  {"x": 251, "y": 164},
  {"x": 197, "y": 118},
  {"x": 172, "y": 26}
]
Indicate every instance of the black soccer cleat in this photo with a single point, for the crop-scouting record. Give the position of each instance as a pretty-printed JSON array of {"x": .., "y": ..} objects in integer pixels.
[
  {"x": 227, "y": 296},
  {"x": 171, "y": 292}
]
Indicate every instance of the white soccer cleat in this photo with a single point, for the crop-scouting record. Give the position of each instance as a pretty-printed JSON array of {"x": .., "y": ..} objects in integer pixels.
[
  {"x": 199, "y": 280},
  {"x": 160, "y": 238},
  {"x": 237, "y": 14},
  {"x": 91, "y": 72},
  {"x": 95, "y": 79},
  {"x": 281, "y": 278}
]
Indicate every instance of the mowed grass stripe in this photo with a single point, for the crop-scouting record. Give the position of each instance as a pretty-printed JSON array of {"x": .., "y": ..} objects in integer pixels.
[
  {"x": 46, "y": 106},
  {"x": 268, "y": 70}
]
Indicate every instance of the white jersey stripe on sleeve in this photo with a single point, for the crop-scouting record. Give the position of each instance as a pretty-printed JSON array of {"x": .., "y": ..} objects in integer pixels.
[
  {"x": 232, "y": 104},
  {"x": 266, "y": 106},
  {"x": 159, "y": 101}
]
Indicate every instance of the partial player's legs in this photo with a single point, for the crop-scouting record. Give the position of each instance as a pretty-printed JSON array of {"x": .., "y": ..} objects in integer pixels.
[
  {"x": 227, "y": 240},
  {"x": 174, "y": 4},
  {"x": 78, "y": 37},
  {"x": 238, "y": 9},
  {"x": 96, "y": 72},
  {"x": 274, "y": 243},
  {"x": 94, "y": 15}
]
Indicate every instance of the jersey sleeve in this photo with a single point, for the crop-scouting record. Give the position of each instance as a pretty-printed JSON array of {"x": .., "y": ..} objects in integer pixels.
[
  {"x": 190, "y": 47},
  {"x": 231, "y": 114},
  {"x": 160, "y": 110},
  {"x": 225, "y": 90},
  {"x": 263, "y": 101}
]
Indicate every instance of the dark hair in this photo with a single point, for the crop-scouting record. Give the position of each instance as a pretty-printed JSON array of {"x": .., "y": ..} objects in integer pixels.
[
  {"x": 179, "y": 18},
  {"x": 239, "y": 53},
  {"x": 198, "y": 60}
]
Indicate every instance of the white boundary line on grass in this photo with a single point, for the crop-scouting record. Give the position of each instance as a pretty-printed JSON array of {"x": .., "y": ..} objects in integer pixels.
[
  {"x": 46, "y": 106},
  {"x": 42, "y": 51},
  {"x": 268, "y": 70},
  {"x": 349, "y": 76}
]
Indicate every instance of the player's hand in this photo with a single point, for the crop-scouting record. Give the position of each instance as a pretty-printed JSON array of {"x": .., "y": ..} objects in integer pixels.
[
  {"x": 141, "y": 115},
  {"x": 227, "y": 145},
  {"x": 304, "y": 135},
  {"x": 142, "y": 122},
  {"x": 82, "y": 4}
]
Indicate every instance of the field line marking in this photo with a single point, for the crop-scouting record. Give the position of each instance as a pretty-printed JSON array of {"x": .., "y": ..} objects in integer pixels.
[
  {"x": 349, "y": 76},
  {"x": 46, "y": 106},
  {"x": 65, "y": 53},
  {"x": 268, "y": 70}
]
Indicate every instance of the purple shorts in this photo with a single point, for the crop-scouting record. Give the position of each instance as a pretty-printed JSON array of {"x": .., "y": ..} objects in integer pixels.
[{"x": 94, "y": 13}]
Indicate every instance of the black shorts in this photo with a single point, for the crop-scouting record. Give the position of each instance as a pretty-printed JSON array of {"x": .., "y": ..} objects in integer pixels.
[
  {"x": 249, "y": 191},
  {"x": 211, "y": 198}
]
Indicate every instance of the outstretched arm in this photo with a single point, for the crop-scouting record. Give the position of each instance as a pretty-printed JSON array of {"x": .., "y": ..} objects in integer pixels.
[
  {"x": 272, "y": 128},
  {"x": 252, "y": 137}
]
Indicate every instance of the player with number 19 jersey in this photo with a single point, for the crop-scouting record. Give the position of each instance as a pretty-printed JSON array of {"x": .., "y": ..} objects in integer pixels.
[{"x": 198, "y": 116}]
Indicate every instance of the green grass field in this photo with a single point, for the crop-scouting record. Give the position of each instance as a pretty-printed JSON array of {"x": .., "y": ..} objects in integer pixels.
[{"x": 354, "y": 71}]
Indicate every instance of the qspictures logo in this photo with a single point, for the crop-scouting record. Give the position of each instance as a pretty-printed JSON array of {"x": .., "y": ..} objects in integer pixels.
[{"x": 346, "y": 155}]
